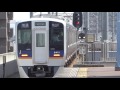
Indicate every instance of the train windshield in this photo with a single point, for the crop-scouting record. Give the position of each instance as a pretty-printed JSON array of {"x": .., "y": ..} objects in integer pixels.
[
  {"x": 24, "y": 36},
  {"x": 56, "y": 36},
  {"x": 24, "y": 39}
]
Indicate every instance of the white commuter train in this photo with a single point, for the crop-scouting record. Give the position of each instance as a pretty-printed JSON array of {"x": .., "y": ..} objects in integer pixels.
[{"x": 43, "y": 45}]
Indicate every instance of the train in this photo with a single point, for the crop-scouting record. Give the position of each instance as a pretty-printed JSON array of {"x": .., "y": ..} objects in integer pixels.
[{"x": 43, "y": 45}]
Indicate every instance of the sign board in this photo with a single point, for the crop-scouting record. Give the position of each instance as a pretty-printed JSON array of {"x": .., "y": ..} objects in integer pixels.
[
  {"x": 40, "y": 23},
  {"x": 90, "y": 38},
  {"x": 24, "y": 25}
]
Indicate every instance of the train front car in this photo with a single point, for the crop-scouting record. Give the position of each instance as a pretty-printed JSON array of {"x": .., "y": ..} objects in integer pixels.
[
  {"x": 57, "y": 43},
  {"x": 41, "y": 47},
  {"x": 24, "y": 46}
]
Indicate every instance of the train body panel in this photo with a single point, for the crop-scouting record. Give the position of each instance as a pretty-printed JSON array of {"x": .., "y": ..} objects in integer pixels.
[
  {"x": 44, "y": 44},
  {"x": 40, "y": 45}
]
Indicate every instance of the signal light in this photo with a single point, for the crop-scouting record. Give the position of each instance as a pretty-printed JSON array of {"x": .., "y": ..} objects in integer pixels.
[
  {"x": 81, "y": 36},
  {"x": 77, "y": 23},
  {"x": 77, "y": 19}
]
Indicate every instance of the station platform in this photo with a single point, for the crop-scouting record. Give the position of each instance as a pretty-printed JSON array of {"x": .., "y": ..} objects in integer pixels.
[
  {"x": 87, "y": 72},
  {"x": 9, "y": 57},
  {"x": 10, "y": 65}
]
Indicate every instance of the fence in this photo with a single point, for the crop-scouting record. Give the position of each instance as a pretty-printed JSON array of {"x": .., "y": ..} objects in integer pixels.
[
  {"x": 99, "y": 53},
  {"x": 8, "y": 64}
]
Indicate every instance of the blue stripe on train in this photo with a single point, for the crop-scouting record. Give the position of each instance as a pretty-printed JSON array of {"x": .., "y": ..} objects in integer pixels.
[
  {"x": 52, "y": 52},
  {"x": 29, "y": 52}
]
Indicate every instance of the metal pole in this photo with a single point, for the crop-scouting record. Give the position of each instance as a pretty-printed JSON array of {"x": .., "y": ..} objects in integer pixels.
[
  {"x": 97, "y": 27},
  {"x": 56, "y": 13},
  {"x": 76, "y": 40},
  {"x": 105, "y": 24},
  {"x": 40, "y": 14},
  {"x": 49, "y": 13},
  {"x": 83, "y": 55},
  {"x": 86, "y": 50},
  {"x": 31, "y": 14},
  {"x": 88, "y": 27},
  {"x": 107, "y": 44},
  {"x": 86, "y": 56},
  {"x": 117, "y": 66},
  {"x": 94, "y": 52},
  {"x": 4, "y": 63},
  {"x": 113, "y": 26}
]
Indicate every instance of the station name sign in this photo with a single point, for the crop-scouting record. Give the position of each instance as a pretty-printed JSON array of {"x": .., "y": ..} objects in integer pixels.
[
  {"x": 24, "y": 25},
  {"x": 53, "y": 24},
  {"x": 40, "y": 23}
]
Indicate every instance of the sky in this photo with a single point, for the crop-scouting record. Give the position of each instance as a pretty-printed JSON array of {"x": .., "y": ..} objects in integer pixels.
[
  {"x": 18, "y": 16},
  {"x": 21, "y": 15},
  {"x": 26, "y": 15}
]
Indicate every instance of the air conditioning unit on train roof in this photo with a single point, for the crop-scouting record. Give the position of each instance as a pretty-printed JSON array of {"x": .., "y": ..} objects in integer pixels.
[{"x": 47, "y": 16}]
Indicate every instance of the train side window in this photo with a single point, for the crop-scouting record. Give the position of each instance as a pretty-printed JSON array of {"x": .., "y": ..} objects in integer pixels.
[{"x": 40, "y": 40}]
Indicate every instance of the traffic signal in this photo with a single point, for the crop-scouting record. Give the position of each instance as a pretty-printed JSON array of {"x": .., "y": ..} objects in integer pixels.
[
  {"x": 81, "y": 36},
  {"x": 77, "y": 19}
]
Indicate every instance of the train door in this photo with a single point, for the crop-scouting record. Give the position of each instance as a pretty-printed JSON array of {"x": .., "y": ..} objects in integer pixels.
[{"x": 40, "y": 46}]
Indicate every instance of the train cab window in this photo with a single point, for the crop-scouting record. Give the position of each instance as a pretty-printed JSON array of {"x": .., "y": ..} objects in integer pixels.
[
  {"x": 24, "y": 36},
  {"x": 56, "y": 36},
  {"x": 40, "y": 40},
  {"x": 24, "y": 39}
]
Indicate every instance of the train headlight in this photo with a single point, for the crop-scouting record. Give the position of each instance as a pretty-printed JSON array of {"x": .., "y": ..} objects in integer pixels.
[
  {"x": 24, "y": 55},
  {"x": 56, "y": 54},
  {"x": 79, "y": 37},
  {"x": 38, "y": 68}
]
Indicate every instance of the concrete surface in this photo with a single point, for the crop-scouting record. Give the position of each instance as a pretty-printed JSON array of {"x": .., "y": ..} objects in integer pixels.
[{"x": 10, "y": 66}]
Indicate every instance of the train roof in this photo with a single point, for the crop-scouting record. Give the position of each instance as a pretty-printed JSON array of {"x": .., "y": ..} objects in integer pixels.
[{"x": 50, "y": 19}]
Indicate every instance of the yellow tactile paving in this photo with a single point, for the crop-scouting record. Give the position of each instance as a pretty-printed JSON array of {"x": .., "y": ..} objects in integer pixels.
[{"x": 82, "y": 73}]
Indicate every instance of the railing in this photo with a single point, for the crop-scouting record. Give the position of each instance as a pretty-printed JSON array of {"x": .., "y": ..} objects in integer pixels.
[
  {"x": 9, "y": 57},
  {"x": 98, "y": 55},
  {"x": 5, "y": 69},
  {"x": 97, "y": 46}
]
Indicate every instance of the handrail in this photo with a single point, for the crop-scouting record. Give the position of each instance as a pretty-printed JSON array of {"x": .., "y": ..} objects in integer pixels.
[
  {"x": 4, "y": 58},
  {"x": 8, "y": 58},
  {"x": 8, "y": 53}
]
